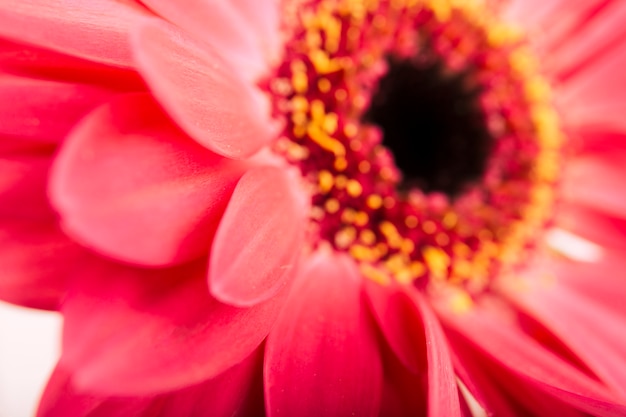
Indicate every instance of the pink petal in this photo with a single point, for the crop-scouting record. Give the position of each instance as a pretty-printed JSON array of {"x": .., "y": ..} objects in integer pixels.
[
  {"x": 205, "y": 95},
  {"x": 588, "y": 96},
  {"x": 23, "y": 178},
  {"x": 415, "y": 335},
  {"x": 130, "y": 185},
  {"x": 596, "y": 334},
  {"x": 395, "y": 313},
  {"x": 505, "y": 345},
  {"x": 38, "y": 63},
  {"x": 44, "y": 110},
  {"x": 141, "y": 332},
  {"x": 228, "y": 394},
  {"x": 608, "y": 231},
  {"x": 322, "y": 357},
  {"x": 443, "y": 399},
  {"x": 263, "y": 16},
  {"x": 258, "y": 238},
  {"x": 499, "y": 392},
  {"x": 35, "y": 260},
  {"x": 96, "y": 30},
  {"x": 598, "y": 183},
  {"x": 404, "y": 392},
  {"x": 220, "y": 25}
]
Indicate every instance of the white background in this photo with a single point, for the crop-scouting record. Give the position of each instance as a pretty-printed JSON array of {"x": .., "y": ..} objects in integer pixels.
[{"x": 29, "y": 348}]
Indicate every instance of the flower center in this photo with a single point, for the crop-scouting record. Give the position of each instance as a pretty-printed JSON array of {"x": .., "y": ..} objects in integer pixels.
[
  {"x": 425, "y": 135},
  {"x": 433, "y": 125}
]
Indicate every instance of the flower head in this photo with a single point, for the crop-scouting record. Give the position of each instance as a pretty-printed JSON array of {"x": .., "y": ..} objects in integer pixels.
[{"x": 318, "y": 207}]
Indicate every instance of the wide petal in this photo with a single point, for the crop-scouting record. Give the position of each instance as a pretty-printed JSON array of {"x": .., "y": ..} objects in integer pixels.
[
  {"x": 443, "y": 398},
  {"x": 130, "y": 185},
  {"x": 204, "y": 94},
  {"x": 322, "y": 357},
  {"x": 258, "y": 238},
  {"x": 141, "y": 332},
  {"x": 96, "y": 30},
  {"x": 236, "y": 392},
  {"x": 263, "y": 16},
  {"x": 220, "y": 25}
]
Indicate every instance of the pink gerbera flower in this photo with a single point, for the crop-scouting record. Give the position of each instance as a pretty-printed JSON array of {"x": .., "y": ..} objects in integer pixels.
[{"x": 325, "y": 208}]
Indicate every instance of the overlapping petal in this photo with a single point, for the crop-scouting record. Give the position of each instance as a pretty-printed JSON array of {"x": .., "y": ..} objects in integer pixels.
[
  {"x": 97, "y": 30},
  {"x": 322, "y": 356},
  {"x": 125, "y": 330},
  {"x": 166, "y": 196},
  {"x": 202, "y": 92}
]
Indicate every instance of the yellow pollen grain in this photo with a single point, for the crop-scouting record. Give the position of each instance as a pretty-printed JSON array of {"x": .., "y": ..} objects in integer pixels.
[
  {"x": 324, "y": 85},
  {"x": 356, "y": 145},
  {"x": 332, "y": 205},
  {"x": 354, "y": 188},
  {"x": 407, "y": 246},
  {"x": 313, "y": 39},
  {"x": 417, "y": 268},
  {"x": 318, "y": 111},
  {"x": 340, "y": 163},
  {"x": 300, "y": 104},
  {"x": 325, "y": 141},
  {"x": 411, "y": 221},
  {"x": 364, "y": 167},
  {"x": 299, "y": 131},
  {"x": 330, "y": 123},
  {"x": 300, "y": 82},
  {"x": 374, "y": 201},
  {"x": 348, "y": 215},
  {"x": 449, "y": 220},
  {"x": 299, "y": 119},
  {"x": 375, "y": 274},
  {"x": 363, "y": 253},
  {"x": 442, "y": 239},
  {"x": 322, "y": 63},
  {"x": 437, "y": 261},
  {"x": 361, "y": 219},
  {"x": 389, "y": 202},
  {"x": 461, "y": 250},
  {"x": 341, "y": 181},
  {"x": 341, "y": 94},
  {"x": 350, "y": 130},
  {"x": 367, "y": 236},
  {"x": 386, "y": 173},
  {"x": 345, "y": 237},
  {"x": 326, "y": 181},
  {"x": 429, "y": 227}
]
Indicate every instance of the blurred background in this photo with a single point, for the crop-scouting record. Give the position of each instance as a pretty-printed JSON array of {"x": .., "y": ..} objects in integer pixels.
[{"x": 29, "y": 348}]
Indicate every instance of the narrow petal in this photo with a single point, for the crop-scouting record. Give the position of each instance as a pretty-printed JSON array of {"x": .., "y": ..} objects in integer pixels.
[
  {"x": 130, "y": 185},
  {"x": 258, "y": 239},
  {"x": 322, "y": 357},
  {"x": 443, "y": 398},
  {"x": 141, "y": 332},
  {"x": 220, "y": 25},
  {"x": 589, "y": 328},
  {"x": 415, "y": 336},
  {"x": 44, "y": 110},
  {"x": 205, "y": 95},
  {"x": 535, "y": 367},
  {"x": 96, "y": 30},
  {"x": 404, "y": 392},
  {"x": 597, "y": 182},
  {"x": 36, "y": 260},
  {"x": 396, "y": 313},
  {"x": 227, "y": 395}
]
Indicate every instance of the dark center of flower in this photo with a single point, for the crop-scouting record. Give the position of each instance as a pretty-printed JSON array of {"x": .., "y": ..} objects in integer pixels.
[
  {"x": 425, "y": 134},
  {"x": 433, "y": 125}
]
